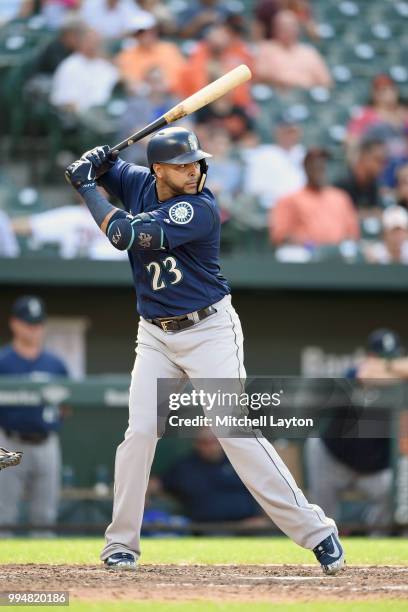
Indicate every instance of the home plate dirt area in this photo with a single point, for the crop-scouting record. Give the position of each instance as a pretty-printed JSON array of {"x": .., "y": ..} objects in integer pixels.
[{"x": 209, "y": 582}]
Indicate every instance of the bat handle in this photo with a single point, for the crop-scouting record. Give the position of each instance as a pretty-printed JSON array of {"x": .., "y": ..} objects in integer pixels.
[{"x": 146, "y": 131}]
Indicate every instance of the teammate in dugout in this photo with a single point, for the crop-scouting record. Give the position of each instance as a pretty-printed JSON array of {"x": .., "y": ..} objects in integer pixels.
[{"x": 188, "y": 328}]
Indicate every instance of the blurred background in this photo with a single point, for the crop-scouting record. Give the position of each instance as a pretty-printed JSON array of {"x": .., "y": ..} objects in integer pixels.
[{"x": 310, "y": 169}]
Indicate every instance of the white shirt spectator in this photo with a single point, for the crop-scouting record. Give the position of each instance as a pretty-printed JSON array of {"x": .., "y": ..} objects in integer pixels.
[
  {"x": 8, "y": 242},
  {"x": 109, "y": 22},
  {"x": 394, "y": 247},
  {"x": 77, "y": 234},
  {"x": 273, "y": 172},
  {"x": 379, "y": 253},
  {"x": 10, "y": 9},
  {"x": 83, "y": 82}
]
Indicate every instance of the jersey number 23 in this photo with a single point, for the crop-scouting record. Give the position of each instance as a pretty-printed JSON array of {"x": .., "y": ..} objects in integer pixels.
[{"x": 167, "y": 269}]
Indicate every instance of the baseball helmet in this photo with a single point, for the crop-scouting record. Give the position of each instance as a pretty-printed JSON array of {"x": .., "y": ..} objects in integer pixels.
[
  {"x": 176, "y": 145},
  {"x": 384, "y": 343}
]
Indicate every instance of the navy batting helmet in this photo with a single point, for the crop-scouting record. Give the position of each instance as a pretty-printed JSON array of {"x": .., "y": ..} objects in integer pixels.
[
  {"x": 384, "y": 343},
  {"x": 176, "y": 145}
]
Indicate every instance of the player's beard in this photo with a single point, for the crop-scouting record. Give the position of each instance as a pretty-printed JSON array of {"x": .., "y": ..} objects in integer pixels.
[{"x": 184, "y": 189}]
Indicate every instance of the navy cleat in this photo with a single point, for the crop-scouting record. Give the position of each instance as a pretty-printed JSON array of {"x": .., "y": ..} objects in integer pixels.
[
  {"x": 121, "y": 560},
  {"x": 330, "y": 555}
]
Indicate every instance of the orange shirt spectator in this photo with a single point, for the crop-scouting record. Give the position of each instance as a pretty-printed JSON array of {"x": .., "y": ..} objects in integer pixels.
[
  {"x": 149, "y": 53},
  {"x": 317, "y": 214},
  {"x": 285, "y": 62},
  {"x": 221, "y": 51}
]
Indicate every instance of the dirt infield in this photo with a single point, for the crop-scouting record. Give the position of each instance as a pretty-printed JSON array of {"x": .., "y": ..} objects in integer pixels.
[{"x": 279, "y": 583}]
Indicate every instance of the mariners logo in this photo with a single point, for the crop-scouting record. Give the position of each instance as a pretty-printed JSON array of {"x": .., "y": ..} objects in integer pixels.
[{"x": 181, "y": 213}]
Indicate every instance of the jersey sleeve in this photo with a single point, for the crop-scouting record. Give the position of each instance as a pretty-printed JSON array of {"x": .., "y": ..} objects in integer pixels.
[
  {"x": 186, "y": 219},
  {"x": 125, "y": 181}
]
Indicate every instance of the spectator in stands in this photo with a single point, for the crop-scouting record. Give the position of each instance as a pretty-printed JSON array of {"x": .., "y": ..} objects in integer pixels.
[
  {"x": 336, "y": 464},
  {"x": 147, "y": 53},
  {"x": 385, "y": 118},
  {"x": 318, "y": 214},
  {"x": 32, "y": 429},
  {"x": 226, "y": 115},
  {"x": 394, "y": 246},
  {"x": 163, "y": 15},
  {"x": 222, "y": 49},
  {"x": 286, "y": 63},
  {"x": 110, "y": 18},
  {"x": 207, "y": 486},
  {"x": 275, "y": 170},
  {"x": 225, "y": 173},
  {"x": 71, "y": 228},
  {"x": 362, "y": 180},
  {"x": 8, "y": 243},
  {"x": 56, "y": 11},
  {"x": 67, "y": 41},
  {"x": 195, "y": 21},
  {"x": 84, "y": 79},
  {"x": 401, "y": 191},
  {"x": 150, "y": 99},
  {"x": 266, "y": 10},
  {"x": 15, "y": 9}
]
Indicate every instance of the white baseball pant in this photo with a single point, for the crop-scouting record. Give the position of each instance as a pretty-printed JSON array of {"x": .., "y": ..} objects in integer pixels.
[{"x": 213, "y": 348}]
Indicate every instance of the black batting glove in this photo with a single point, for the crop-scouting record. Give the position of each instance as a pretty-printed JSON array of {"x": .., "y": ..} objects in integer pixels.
[
  {"x": 81, "y": 174},
  {"x": 102, "y": 158}
]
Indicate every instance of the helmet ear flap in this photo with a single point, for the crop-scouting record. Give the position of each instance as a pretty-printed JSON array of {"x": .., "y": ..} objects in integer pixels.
[{"x": 204, "y": 169}]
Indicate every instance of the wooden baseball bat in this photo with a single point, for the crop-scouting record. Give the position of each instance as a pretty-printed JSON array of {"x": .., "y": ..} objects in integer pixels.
[{"x": 200, "y": 98}]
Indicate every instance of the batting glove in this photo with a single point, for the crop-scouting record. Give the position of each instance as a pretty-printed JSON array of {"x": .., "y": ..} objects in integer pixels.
[
  {"x": 81, "y": 174},
  {"x": 102, "y": 158}
]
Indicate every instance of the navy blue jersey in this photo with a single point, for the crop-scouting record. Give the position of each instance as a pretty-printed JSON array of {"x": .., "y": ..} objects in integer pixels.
[
  {"x": 186, "y": 276},
  {"x": 30, "y": 419}
]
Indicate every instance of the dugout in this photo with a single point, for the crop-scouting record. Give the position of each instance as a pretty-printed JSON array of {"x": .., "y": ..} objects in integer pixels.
[{"x": 306, "y": 319}]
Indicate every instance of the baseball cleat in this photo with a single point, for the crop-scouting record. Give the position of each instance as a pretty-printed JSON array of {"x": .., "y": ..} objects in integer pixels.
[
  {"x": 330, "y": 555},
  {"x": 121, "y": 560},
  {"x": 8, "y": 458}
]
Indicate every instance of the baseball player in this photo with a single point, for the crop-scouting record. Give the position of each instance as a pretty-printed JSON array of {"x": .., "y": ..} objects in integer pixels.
[
  {"x": 188, "y": 328},
  {"x": 9, "y": 458},
  {"x": 33, "y": 429}
]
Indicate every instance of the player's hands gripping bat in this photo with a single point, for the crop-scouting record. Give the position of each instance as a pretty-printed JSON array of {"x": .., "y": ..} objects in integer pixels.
[
  {"x": 101, "y": 158},
  {"x": 81, "y": 174}
]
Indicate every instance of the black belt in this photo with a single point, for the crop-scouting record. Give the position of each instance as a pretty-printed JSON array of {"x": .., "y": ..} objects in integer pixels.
[
  {"x": 172, "y": 324},
  {"x": 33, "y": 437}
]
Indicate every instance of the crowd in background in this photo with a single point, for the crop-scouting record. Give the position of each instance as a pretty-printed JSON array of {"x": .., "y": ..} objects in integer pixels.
[{"x": 147, "y": 56}]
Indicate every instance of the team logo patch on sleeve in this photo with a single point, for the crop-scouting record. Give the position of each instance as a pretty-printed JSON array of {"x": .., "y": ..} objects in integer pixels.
[{"x": 181, "y": 212}]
